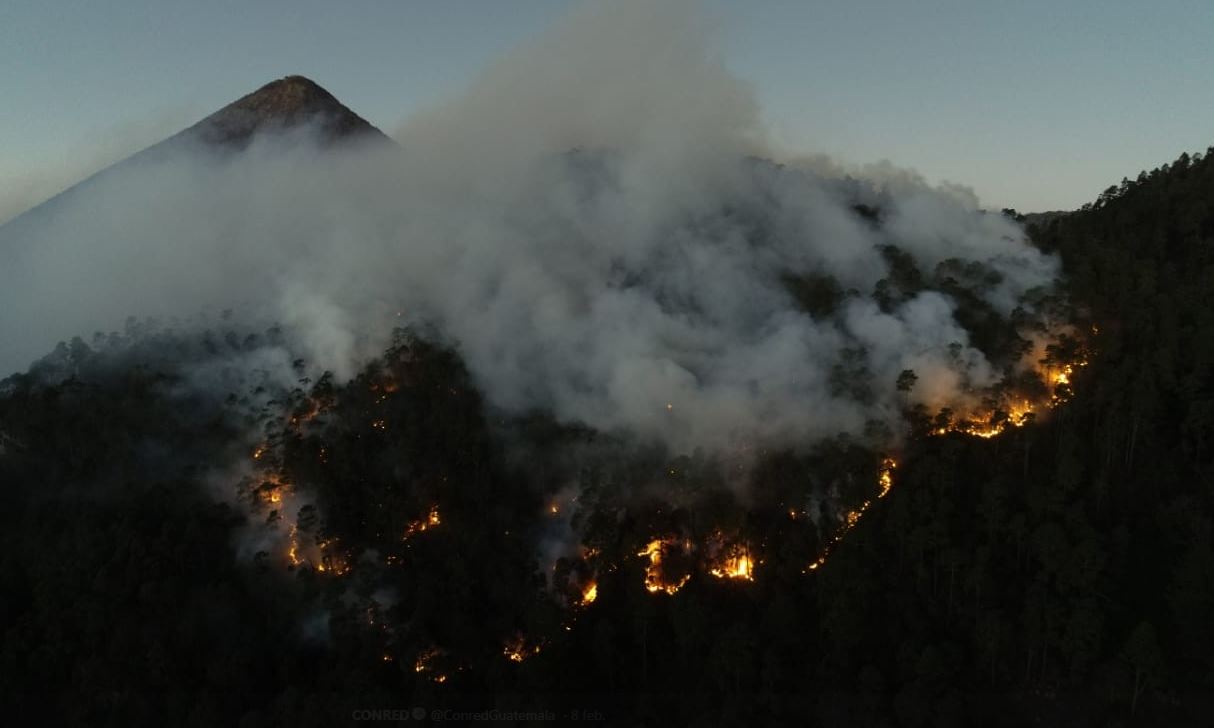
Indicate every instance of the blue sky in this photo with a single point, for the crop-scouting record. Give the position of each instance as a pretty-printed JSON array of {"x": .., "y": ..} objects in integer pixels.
[{"x": 1036, "y": 105}]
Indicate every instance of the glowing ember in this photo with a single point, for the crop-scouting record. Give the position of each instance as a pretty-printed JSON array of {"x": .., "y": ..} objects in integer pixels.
[
  {"x": 272, "y": 489},
  {"x": 432, "y": 519},
  {"x": 885, "y": 482},
  {"x": 886, "y": 476},
  {"x": 517, "y": 650},
  {"x": 271, "y": 493},
  {"x": 307, "y": 416},
  {"x": 422, "y": 664},
  {"x": 655, "y": 581},
  {"x": 990, "y": 424},
  {"x": 293, "y": 549},
  {"x": 983, "y": 424},
  {"x": 590, "y": 593},
  {"x": 332, "y": 564},
  {"x": 737, "y": 565}
]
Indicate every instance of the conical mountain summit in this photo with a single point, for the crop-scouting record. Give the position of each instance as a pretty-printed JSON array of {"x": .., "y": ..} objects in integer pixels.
[{"x": 287, "y": 104}]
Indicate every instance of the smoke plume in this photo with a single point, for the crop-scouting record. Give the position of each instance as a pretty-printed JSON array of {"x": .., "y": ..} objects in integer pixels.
[{"x": 591, "y": 224}]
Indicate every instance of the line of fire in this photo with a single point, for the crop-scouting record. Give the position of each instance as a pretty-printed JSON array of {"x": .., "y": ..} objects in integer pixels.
[{"x": 666, "y": 561}]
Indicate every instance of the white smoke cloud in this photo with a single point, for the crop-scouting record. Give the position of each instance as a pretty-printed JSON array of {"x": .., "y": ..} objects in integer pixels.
[{"x": 636, "y": 283}]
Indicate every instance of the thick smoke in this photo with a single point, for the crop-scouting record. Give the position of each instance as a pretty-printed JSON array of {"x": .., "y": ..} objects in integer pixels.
[{"x": 590, "y": 224}]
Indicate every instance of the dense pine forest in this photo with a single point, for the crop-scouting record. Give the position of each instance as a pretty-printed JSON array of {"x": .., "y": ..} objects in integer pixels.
[{"x": 1060, "y": 573}]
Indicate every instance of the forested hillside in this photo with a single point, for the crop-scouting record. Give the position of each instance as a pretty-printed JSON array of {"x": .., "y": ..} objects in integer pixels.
[{"x": 375, "y": 545}]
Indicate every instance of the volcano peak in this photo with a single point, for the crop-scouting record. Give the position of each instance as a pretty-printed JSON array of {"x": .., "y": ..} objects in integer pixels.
[{"x": 291, "y": 101}]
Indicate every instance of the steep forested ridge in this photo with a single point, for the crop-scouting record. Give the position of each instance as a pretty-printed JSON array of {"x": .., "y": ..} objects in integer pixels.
[{"x": 1061, "y": 573}]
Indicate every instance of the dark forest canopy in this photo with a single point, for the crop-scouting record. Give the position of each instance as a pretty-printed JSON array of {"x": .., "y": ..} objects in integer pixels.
[{"x": 1061, "y": 573}]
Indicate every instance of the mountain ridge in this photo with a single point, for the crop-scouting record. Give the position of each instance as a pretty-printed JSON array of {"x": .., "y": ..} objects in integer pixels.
[{"x": 281, "y": 106}]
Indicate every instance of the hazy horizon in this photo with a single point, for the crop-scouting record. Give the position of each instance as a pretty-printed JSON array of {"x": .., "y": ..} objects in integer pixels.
[{"x": 1025, "y": 104}]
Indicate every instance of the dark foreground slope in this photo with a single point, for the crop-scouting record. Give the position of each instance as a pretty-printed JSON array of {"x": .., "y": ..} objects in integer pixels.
[
  {"x": 1059, "y": 574},
  {"x": 1063, "y": 571}
]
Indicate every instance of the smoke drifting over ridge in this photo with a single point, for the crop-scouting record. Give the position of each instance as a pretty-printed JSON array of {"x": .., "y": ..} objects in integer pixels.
[{"x": 590, "y": 224}]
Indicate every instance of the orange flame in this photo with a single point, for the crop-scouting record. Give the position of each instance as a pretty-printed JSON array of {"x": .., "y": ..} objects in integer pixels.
[
  {"x": 431, "y": 520},
  {"x": 422, "y": 663},
  {"x": 655, "y": 581},
  {"x": 885, "y": 483},
  {"x": 590, "y": 593},
  {"x": 737, "y": 565},
  {"x": 517, "y": 650}
]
